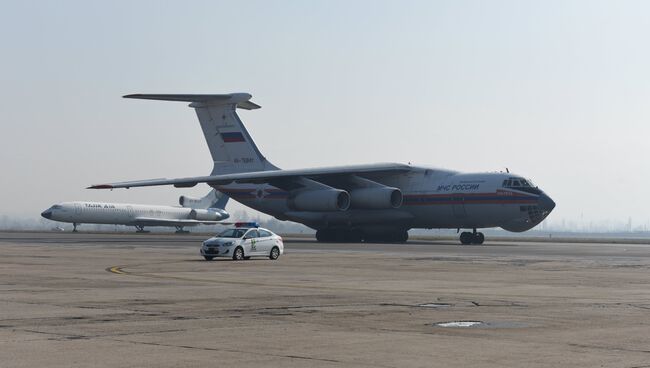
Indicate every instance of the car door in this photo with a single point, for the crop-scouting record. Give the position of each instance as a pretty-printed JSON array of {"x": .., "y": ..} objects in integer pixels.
[
  {"x": 251, "y": 243},
  {"x": 265, "y": 241}
]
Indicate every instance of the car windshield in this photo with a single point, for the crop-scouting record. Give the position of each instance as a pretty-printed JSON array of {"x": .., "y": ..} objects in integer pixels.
[{"x": 232, "y": 233}]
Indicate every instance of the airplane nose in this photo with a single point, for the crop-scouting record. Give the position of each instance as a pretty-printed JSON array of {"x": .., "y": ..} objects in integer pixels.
[
  {"x": 546, "y": 203},
  {"x": 47, "y": 214}
]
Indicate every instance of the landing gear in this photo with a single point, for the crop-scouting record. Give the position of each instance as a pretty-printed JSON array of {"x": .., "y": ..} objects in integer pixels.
[
  {"x": 140, "y": 229},
  {"x": 358, "y": 236},
  {"x": 474, "y": 237},
  {"x": 74, "y": 227},
  {"x": 179, "y": 230}
]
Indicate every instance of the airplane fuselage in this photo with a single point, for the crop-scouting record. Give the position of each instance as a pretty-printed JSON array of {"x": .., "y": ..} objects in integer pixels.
[
  {"x": 124, "y": 214},
  {"x": 432, "y": 198}
]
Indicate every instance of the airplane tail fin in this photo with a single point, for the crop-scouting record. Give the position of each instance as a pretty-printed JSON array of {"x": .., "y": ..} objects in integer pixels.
[
  {"x": 232, "y": 148},
  {"x": 214, "y": 199}
]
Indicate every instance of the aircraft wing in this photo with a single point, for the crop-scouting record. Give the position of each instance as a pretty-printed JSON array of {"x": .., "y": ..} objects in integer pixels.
[
  {"x": 153, "y": 221},
  {"x": 274, "y": 177}
]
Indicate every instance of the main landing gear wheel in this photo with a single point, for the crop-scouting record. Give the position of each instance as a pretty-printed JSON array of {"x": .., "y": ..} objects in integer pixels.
[
  {"x": 180, "y": 230},
  {"x": 467, "y": 238},
  {"x": 140, "y": 229}
]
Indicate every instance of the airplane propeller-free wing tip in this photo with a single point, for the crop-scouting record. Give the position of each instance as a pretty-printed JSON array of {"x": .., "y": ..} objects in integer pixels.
[{"x": 100, "y": 186}]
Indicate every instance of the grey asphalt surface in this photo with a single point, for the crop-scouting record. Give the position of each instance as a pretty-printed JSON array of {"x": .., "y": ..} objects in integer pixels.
[{"x": 134, "y": 300}]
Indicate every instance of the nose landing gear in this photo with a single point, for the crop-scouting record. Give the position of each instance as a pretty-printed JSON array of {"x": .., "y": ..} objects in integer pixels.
[{"x": 474, "y": 237}]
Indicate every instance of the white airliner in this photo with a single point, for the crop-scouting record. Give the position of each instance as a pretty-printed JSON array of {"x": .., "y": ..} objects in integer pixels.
[
  {"x": 208, "y": 210},
  {"x": 377, "y": 202}
]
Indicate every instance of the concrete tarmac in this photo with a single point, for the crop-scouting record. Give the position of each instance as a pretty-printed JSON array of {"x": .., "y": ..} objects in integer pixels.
[{"x": 80, "y": 300}]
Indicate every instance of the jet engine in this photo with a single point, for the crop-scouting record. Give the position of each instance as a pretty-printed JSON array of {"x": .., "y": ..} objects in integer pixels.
[
  {"x": 320, "y": 200},
  {"x": 211, "y": 214},
  {"x": 376, "y": 198}
]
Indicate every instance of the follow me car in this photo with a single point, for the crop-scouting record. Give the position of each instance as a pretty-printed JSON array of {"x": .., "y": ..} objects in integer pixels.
[{"x": 245, "y": 240}]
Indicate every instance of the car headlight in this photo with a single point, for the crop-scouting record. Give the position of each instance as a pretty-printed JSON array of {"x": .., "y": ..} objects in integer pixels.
[{"x": 227, "y": 244}]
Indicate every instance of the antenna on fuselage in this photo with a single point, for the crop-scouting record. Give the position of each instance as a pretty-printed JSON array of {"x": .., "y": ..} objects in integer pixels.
[{"x": 508, "y": 171}]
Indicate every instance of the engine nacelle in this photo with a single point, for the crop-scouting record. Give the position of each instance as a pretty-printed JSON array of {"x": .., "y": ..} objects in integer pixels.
[
  {"x": 320, "y": 200},
  {"x": 376, "y": 198},
  {"x": 211, "y": 214},
  {"x": 191, "y": 202}
]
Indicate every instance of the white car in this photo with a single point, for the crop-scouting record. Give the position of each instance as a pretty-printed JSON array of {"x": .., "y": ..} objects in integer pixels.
[{"x": 242, "y": 242}]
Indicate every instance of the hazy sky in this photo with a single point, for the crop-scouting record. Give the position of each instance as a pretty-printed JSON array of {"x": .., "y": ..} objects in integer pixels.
[{"x": 555, "y": 90}]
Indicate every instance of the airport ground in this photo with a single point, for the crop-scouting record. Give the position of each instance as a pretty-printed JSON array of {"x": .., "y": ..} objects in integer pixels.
[{"x": 127, "y": 300}]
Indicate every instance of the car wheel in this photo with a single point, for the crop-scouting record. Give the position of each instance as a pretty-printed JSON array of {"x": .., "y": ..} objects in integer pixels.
[
  {"x": 275, "y": 253},
  {"x": 207, "y": 258},
  {"x": 238, "y": 254}
]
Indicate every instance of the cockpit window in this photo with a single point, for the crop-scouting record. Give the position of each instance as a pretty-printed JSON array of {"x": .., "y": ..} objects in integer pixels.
[
  {"x": 521, "y": 184},
  {"x": 57, "y": 207},
  {"x": 518, "y": 182}
]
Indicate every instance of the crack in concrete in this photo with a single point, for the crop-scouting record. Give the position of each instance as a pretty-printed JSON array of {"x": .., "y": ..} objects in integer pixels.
[
  {"x": 290, "y": 356},
  {"x": 612, "y": 348}
]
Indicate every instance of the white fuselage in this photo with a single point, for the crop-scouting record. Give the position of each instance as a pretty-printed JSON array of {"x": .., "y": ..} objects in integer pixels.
[{"x": 122, "y": 214}]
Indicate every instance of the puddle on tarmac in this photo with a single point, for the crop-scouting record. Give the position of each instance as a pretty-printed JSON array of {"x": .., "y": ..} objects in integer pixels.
[
  {"x": 459, "y": 324},
  {"x": 434, "y": 305},
  {"x": 480, "y": 324}
]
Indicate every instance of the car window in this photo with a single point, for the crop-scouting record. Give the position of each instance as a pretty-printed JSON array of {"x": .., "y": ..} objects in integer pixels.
[
  {"x": 265, "y": 234},
  {"x": 231, "y": 233},
  {"x": 252, "y": 234}
]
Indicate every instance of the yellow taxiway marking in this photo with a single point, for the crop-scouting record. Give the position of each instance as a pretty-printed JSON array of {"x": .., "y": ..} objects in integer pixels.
[{"x": 117, "y": 270}]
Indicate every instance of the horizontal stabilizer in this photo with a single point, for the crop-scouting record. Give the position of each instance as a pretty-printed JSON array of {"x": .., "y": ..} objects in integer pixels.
[{"x": 241, "y": 99}]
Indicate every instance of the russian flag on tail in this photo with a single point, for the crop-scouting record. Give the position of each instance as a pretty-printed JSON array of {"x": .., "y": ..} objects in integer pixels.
[{"x": 232, "y": 137}]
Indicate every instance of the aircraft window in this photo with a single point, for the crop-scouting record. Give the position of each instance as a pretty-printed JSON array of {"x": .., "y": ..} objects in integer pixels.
[
  {"x": 56, "y": 207},
  {"x": 505, "y": 183},
  {"x": 524, "y": 183},
  {"x": 515, "y": 183}
]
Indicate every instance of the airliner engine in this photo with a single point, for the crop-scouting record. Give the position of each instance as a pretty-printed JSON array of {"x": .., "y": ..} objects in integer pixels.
[
  {"x": 186, "y": 201},
  {"x": 376, "y": 198},
  {"x": 320, "y": 200},
  {"x": 211, "y": 214}
]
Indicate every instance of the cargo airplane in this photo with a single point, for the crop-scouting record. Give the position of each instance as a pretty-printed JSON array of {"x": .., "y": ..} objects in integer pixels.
[
  {"x": 376, "y": 202},
  {"x": 208, "y": 210}
]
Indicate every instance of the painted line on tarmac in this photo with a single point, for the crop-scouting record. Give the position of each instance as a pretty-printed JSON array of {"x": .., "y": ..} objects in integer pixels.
[{"x": 116, "y": 269}]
